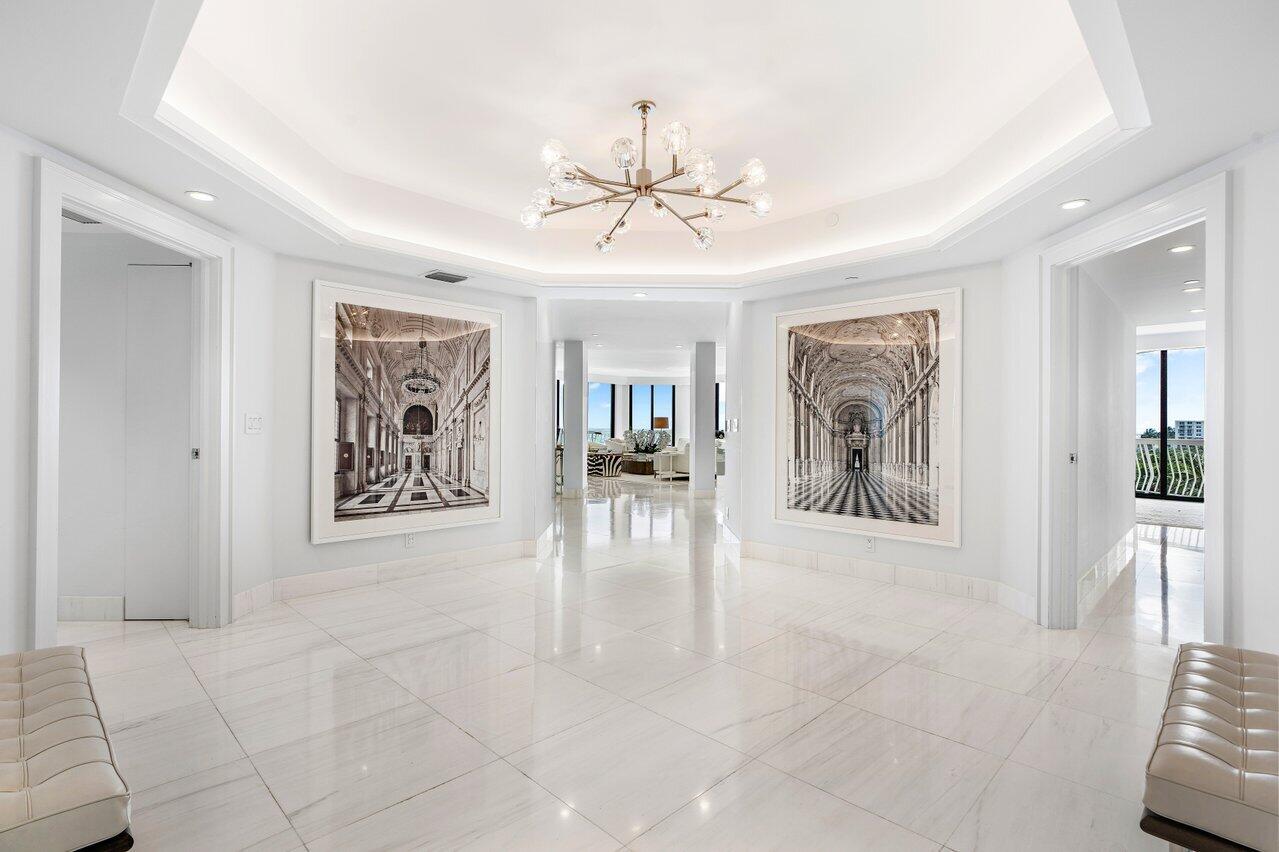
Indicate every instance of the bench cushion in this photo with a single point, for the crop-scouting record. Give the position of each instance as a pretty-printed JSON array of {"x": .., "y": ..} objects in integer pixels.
[
  {"x": 59, "y": 785},
  {"x": 1215, "y": 765}
]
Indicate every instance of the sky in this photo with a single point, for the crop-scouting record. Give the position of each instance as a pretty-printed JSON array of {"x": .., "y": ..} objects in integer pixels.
[{"x": 1185, "y": 387}]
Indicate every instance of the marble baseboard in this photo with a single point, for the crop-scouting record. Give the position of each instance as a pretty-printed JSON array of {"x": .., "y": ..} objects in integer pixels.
[
  {"x": 317, "y": 582},
  {"x": 90, "y": 608},
  {"x": 1097, "y": 579},
  {"x": 544, "y": 545},
  {"x": 942, "y": 582}
]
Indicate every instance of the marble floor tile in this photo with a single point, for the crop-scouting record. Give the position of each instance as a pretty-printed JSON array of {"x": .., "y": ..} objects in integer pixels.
[
  {"x": 1127, "y": 655},
  {"x": 1114, "y": 694},
  {"x": 339, "y": 776},
  {"x": 493, "y": 807},
  {"x": 333, "y": 609},
  {"x": 637, "y": 575},
  {"x": 516, "y": 709},
  {"x": 916, "y": 606},
  {"x": 227, "y": 807},
  {"x": 510, "y": 574},
  {"x": 288, "y": 710},
  {"x": 1006, "y": 667},
  {"x": 825, "y": 587},
  {"x": 993, "y": 623},
  {"x": 631, "y": 665},
  {"x": 494, "y": 608},
  {"x": 373, "y": 637},
  {"x": 196, "y": 642},
  {"x": 974, "y": 714},
  {"x": 139, "y": 693},
  {"x": 555, "y": 632},
  {"x": 741, "y": 709},
  {"x": 1091, "y": 750},
  {"x": 227, "y": 673},
  {"x": 882, "y": 637},
  {"x": 633, "y": 609},
  {"x": 913, "y": 778},
  {"x": 785, "y": 612},
  {"x": 567, "y": 588},
  {"x": 80, "y": 632},
  {"x": 128, "y": 651},
  {"x": 627, "y": 769},
  {"x": 828, "y": 669},
  {"x": 758, "y": 807},
  {"x": 1024, "y": 808},
  {"x": 154, "y": 750},
  {"x": 446, "y": 664},
  {"x": 712, "y": 632},
  {"x": 442, "y": 586}
]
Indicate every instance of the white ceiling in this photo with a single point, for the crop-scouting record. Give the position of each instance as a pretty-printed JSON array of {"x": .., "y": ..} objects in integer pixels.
[
  {"x": 94, "y": 75},
  {"x": 1146, "y": 280},
  {"x": 638, "y": 339}
]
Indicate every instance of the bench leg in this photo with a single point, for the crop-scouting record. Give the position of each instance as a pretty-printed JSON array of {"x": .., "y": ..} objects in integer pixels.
[
  {"x": 1181, "y": 836},
  {"x": 120, "y": 843}
]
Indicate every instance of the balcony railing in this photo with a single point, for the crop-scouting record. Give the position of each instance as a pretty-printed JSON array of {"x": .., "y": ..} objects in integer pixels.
[{"x": 1185, "y": 468}]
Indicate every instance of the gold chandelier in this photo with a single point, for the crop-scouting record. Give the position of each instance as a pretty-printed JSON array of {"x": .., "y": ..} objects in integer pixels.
[{"x": 697, "y": 167}]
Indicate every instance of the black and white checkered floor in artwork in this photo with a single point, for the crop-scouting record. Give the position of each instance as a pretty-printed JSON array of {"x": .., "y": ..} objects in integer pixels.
[
  {"x": 863, "y": 495},
  {"x": 410, "y": 492}
]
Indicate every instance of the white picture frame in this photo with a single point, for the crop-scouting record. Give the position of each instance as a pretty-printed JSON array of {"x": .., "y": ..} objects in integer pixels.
[
  {"x": 801, "y": 485},
  {"x": 326, "y": 526}
]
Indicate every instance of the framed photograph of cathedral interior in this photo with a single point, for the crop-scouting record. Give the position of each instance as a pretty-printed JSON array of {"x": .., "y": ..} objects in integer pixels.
[
  {"x": 868, "y": 417},
  {"x": 405, "y": 413}
]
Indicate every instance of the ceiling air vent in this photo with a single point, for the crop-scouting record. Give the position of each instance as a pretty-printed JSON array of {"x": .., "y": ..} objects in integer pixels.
[
  {"x": 77, "y": 217},
  {"x": 446, "y": 277}
]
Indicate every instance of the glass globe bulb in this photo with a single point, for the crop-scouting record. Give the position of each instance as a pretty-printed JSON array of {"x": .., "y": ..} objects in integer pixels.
[
  {"x": 604, "y": 244},
  {"x": 532, "y": 217},
  {"x": 698, "y": 166},
  {"x": 553, "y": 151},
  {"x": 622, "y": 227},
  {"x": 542, "y": 198},
  {"x": 624, "y": 153},
  {"x": 715, "y": 212},
  {"x": 753, "y": 172},
  {"x": 563, "y": 176},
  {"x": 675, "y": 138},
  {"x": 704, "y": 238},
  {"x": 658, "y": 209},
  {"x": 710, "y": 186},
  {"x": 760, "y": 203}
]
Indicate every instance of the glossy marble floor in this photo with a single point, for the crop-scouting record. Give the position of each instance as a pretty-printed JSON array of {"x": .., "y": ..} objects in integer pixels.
[{"x": 636, "y": 690}]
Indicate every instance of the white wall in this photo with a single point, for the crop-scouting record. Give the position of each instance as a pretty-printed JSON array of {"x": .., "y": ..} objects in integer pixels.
[
  {"x": 1107, "y": 409},
  {"x": 293, "y": 551},
  {"x": 983, "y": 453},
  {"x": 92, "y": 472},
  {"x": 1253, "y": 506}
]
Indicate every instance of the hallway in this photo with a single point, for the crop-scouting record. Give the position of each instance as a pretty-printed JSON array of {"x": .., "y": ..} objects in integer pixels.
[{"x": 638, "y": 687}]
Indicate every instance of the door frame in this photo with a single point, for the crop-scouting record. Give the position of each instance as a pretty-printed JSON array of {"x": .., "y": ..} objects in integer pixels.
[
  {"x": 58, "y": 188},
  {"x": 1207, "y": 201}
]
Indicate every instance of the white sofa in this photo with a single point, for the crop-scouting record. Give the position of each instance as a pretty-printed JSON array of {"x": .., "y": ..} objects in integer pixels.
[{"x": 672, "y": 462}]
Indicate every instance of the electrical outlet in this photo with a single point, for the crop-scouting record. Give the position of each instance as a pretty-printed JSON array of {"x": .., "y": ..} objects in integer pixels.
[
  {"x": 253, "y": 424},
  {"x": 409, "y": 538},
  {"x": 870, "y": 545}
]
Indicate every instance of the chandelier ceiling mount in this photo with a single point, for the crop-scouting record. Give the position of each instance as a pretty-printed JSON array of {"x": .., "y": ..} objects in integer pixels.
[{"x": 697, "y": 167}]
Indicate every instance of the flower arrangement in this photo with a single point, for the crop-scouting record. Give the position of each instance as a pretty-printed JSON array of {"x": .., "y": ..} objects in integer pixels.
[{"x": 646, "y": 441}]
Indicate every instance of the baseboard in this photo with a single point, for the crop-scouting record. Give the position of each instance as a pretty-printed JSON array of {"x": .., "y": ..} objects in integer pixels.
[
  {"x": 90, "y": 608},
  {"x": 942, "y": 582},
  {"x": 699, "y": 493},
  {"x": 573, "y": 493},
  {"x": 1101, "y": 575},
  {"x": 544, "y": 545},
  {"x": 317, "y": 582}
]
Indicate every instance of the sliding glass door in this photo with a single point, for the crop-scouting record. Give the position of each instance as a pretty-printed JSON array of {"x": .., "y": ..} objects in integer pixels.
[{"x": 1170, "y": 424}]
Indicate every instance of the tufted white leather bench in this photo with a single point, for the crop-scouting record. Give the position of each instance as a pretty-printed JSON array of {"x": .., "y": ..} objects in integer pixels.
[
  {"x": 59, "y": 785},
  {"x": 1212, "y": 782}
]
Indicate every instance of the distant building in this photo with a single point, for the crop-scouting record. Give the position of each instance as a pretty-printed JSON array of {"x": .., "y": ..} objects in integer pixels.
[{"x": 1190, "y": 429}]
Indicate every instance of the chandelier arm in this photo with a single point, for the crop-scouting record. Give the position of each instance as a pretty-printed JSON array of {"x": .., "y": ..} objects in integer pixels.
[
  {"x": 610, "y": 186},
  {"x": 728, "y": 188},
  {"x": 665, "y": 178},
  {"x": 622, "y": 218},
  {"x": 683, "y": 219},
  {"x": 593, "y": 179},
  {"x": 585, "y": 203}
]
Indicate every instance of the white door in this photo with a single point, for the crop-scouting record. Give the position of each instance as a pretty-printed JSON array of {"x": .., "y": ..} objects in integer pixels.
[{"x": 157, "y": 487}]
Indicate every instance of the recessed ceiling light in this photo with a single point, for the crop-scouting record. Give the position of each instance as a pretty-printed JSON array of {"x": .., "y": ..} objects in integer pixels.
[
  {"x": 1074, "y": 203},
  {"x": 1197, "y": 310},
  {"x": 599, "y": 345},
  {"x": 679, "y": 345},
  {"x": 201, "y": 195},
  {"x": 1195, "y": 287},
  {"x": 595, "y": 334},
  {"x": 640, "y": 295},
  {"x": 852, "y": 277},
  {"x": 1181, "y": 249}
]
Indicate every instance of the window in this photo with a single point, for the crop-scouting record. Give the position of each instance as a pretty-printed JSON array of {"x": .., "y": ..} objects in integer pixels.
[
  {"x": 721, "y": 408},
  {"x": 664, "y": 405},
  {"x": 1170, "y": 424},
  {"x": 599, "y": 411},
  {"x": 641, "y": 406}
]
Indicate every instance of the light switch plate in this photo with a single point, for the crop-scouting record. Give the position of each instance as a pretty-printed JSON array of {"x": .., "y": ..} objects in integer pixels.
[
  {"x": 409, "y": 538},
  {"x": 253, "y": 424},
  {"x": 869, "y": 545}
]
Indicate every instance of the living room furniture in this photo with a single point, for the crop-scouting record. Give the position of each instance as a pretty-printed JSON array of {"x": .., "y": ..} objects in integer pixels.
[
  {"x": 672, "y": 463},
  {"x": 60, "y": 787},
  {"x": 637, "y": 463},
  {"x": 603, "y": 464},
  {"x": 1212, "y": 781}
]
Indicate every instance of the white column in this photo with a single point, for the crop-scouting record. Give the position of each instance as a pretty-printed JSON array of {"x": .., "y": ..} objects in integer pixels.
[
  {"x": 702, "y": 425},
  {"x": 574, "y": 418}
]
